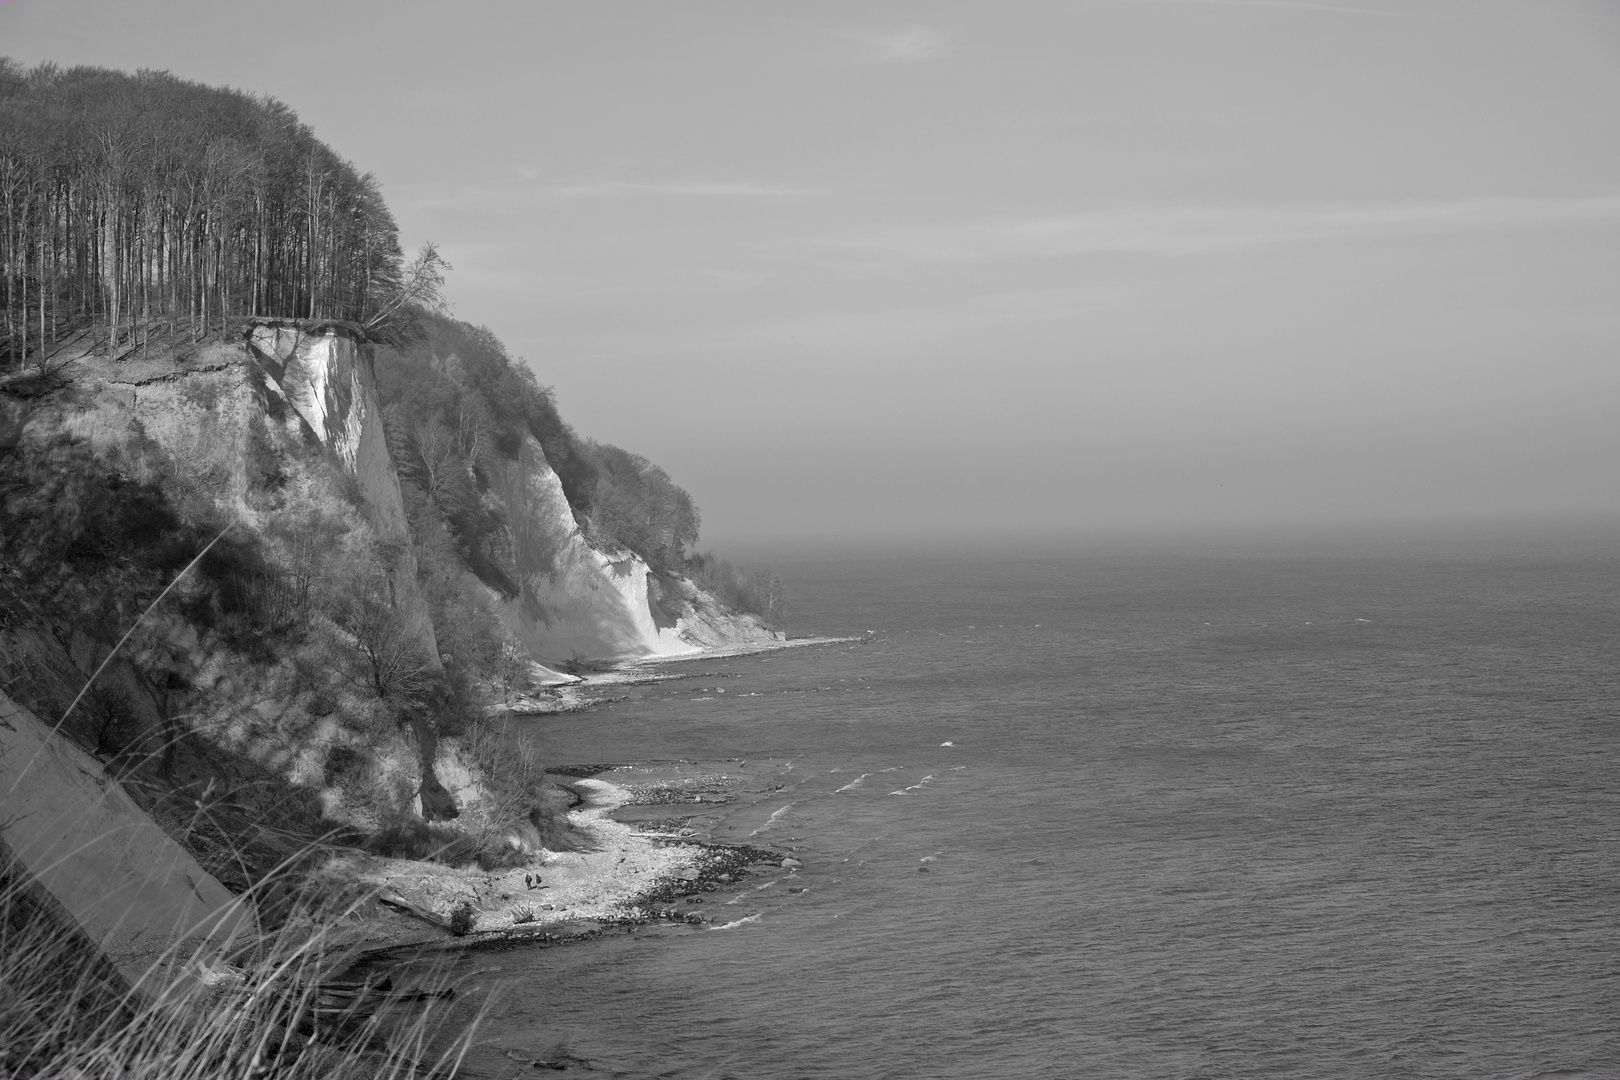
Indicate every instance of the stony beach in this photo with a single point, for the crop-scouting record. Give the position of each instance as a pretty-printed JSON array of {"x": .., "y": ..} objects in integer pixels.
[{"x": 647, "y": 853}]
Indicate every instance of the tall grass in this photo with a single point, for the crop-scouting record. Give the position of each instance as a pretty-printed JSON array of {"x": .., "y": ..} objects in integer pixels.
[{"x": 276, "y": 1012}]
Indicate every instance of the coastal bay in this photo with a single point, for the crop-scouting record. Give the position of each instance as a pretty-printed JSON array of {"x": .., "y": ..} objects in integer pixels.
[{"x": 1192, "y": 813}]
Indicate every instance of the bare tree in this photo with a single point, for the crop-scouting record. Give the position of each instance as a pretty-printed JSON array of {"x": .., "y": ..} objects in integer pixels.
[
  {"x": 475, "y": 428},
  {"x": 441, "y": 460},
  {"x": 393, "y": 663},
  {"x": 420, "y": 286}
]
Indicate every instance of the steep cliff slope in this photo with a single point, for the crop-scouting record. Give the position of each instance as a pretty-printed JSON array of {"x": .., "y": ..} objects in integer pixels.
[
  {"x": 579, "y": 549},
  {"x": 336, "y": 633},
  {"x": 265, "y": 584},
  {"x": 290, "y": 676},
  {"x": 576, "y": 602}
]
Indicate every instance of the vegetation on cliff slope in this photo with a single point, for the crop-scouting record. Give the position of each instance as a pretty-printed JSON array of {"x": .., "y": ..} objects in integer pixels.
[
  {"x": 456, "y": 403},
  {"x": 273, "y": 701}
]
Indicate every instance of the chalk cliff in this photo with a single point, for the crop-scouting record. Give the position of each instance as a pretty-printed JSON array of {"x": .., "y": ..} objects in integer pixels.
[
  {"x": 326, "y": 380},
  {"x": 312, "y": 645},
  {"x": 579, "y": 603}
]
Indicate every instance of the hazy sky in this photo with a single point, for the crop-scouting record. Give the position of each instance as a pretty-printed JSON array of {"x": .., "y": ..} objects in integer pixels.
[{"x": 872, "y": 268}]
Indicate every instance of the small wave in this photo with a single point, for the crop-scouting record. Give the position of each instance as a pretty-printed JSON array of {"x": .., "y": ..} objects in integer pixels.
[
  {"x": 771, "y": 820},
  {"x": 853, "y": 783},
  {"x": 739, "y": 922},
  {"x": 896, "y": 793}
]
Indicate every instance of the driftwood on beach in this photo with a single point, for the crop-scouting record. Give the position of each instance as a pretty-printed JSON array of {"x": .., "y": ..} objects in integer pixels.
[{"x": 392, "y": 899}]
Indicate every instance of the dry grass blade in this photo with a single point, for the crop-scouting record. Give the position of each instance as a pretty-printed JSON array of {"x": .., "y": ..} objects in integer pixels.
[{"x": 281, "y": 1013}]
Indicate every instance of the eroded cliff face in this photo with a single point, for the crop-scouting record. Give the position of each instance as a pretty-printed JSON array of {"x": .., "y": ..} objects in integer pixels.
[
  {"x": 580, "y": 604},
  {"x": 575, "y": 603},
  {"x": 327, "y": 383},
  {"x": 253, "y": 676},
  {"x": 237, "y": 686}
]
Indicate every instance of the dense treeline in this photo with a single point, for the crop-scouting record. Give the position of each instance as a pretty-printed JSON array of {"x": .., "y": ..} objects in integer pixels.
[{"x": 128, "y": 200}]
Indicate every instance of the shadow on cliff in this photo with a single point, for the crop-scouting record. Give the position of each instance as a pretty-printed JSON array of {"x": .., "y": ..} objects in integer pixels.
[{"x": 86, "y": 545}]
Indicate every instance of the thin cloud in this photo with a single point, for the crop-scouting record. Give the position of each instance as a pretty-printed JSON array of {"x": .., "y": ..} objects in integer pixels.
[
  {"x": 913, "y": 45},
  {"x": 1190, "y": 230}
]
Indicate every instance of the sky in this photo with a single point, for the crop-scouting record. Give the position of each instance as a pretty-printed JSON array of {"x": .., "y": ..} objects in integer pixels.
[{"x": 855, "y": 272}]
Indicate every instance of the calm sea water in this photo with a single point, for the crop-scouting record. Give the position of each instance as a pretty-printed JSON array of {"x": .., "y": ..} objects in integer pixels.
[{"x": 1242, "y": 815}]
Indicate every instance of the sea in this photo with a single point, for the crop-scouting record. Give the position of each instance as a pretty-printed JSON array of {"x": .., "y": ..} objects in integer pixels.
[{"x": 1282, "y": 811}]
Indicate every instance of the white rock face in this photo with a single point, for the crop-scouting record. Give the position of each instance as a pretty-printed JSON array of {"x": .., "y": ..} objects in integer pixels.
[
  {"x": 322, "y": 378},
  {"x": 580, "y": 604},
  {"x": 329, "y": 381},
  {"x": 575, "y": 603}
]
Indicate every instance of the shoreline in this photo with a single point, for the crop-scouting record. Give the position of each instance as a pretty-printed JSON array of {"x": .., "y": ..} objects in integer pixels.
[
  {"x": 634, "y": 671},
  {"x": 650, "y": 869},
  {"x": 629, "y": 875},
  {"x": 637, "y": 671}
]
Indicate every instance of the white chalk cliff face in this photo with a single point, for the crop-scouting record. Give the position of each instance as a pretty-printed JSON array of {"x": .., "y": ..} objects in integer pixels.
[
  {"x": 577, "y": 603},
  {"x": 328, "y": 381},
  {"x": 323, "y": 377}
]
